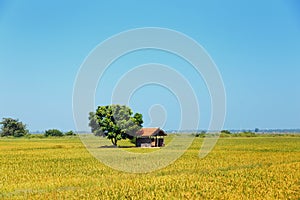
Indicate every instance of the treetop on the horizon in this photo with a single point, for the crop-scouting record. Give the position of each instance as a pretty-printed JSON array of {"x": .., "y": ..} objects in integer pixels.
[{"x": 12, "y": 127}]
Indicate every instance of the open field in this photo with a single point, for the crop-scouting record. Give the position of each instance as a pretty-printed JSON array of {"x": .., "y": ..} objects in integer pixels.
[{"x": 237, "y": 168}]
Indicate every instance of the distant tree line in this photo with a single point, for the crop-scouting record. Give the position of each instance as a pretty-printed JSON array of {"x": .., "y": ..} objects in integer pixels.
[
  {"x": 227, "y": 133},
  {"x": 15, "y": 128}
]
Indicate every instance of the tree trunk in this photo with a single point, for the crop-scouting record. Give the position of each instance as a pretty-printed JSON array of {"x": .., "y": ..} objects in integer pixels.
[{"x": 114, "y": 141}]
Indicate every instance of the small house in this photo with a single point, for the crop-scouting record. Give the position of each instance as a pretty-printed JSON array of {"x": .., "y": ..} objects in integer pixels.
[{"x": 150, "y": 137}]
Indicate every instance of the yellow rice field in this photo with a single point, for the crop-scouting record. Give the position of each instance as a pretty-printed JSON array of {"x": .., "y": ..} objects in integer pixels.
[{"x": 237, "y": 168}]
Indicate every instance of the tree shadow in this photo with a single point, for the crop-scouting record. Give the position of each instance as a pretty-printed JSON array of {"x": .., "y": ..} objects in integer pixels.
[{"x": 113, "y": 146}]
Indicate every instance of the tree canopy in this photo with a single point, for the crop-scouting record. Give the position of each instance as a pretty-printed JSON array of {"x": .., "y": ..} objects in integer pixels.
[
  {"x": 116, "y": 122},
  {"x": 95, "y": 127},
  {"x": 12, "y": 127}
]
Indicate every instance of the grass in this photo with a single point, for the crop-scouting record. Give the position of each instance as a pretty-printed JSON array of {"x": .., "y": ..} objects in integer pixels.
[{"x": 237, "y": 168}]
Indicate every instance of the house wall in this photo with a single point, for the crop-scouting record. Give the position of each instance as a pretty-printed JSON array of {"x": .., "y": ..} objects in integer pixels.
[
  {"x": 149, "y": 142},
  {"x": 143, "y": 142},
  {"x": 160, "y": 142}
]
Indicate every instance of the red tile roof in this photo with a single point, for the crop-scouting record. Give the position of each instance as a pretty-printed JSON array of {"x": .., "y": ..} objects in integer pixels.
[{"x": 146, "y": 132}]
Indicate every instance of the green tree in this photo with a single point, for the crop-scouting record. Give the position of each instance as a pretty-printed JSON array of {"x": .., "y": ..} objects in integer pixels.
[
  {"x": 116, "y": 122},
  {"x": 53, "y": 132},
  {"x": 12, "y": 127},
  {"x": 95, "y": 127}
]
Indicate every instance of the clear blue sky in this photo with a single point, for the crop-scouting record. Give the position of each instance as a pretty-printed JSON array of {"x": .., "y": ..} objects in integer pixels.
[{"x": 255, "y": 44}]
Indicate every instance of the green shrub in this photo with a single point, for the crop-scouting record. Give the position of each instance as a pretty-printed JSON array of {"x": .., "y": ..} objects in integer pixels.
[
  {"x": 53, "y": 132},
  {"x": 201, "y": 134},
  {"x": 70, "y": 133},
  {"x": 225, "y": 132}
]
